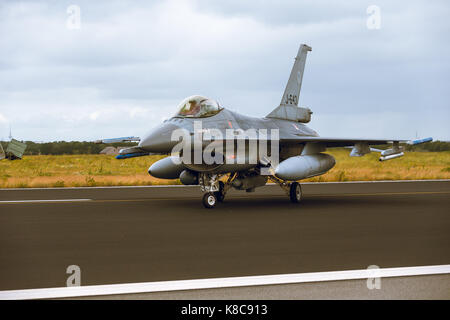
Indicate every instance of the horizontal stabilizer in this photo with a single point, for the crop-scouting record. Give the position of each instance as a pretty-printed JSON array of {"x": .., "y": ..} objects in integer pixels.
[{"x": 131, "y": 153}]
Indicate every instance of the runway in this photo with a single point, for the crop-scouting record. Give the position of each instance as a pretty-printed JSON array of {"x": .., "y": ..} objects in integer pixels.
[{"x": 142, "y": 234}]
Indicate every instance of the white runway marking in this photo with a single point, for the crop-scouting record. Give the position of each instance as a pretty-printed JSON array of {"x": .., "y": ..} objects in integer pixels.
[
  {"x": 41, "y": 201},
  {"x": 160, "y": 286}
]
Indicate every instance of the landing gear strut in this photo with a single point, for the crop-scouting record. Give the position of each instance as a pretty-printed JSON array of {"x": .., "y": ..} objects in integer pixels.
[{"x": 220, "y": 195}]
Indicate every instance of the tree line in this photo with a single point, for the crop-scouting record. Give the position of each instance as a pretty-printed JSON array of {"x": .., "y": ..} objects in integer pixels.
[
  {"x": 434, "y": 146},
  {"x": 67, "y": 147}
]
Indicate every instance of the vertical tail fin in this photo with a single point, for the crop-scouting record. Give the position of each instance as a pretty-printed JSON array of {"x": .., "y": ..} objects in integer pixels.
[
  {"x": 292, "y": 91},
  {"x": 288, "y": 108}
]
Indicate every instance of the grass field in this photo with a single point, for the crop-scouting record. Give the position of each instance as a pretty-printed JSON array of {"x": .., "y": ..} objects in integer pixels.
[{"x": 103, "y": 170}]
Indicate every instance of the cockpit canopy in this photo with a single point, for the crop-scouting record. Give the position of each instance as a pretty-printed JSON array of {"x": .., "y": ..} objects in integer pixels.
[{"x": 198, "y": 107}]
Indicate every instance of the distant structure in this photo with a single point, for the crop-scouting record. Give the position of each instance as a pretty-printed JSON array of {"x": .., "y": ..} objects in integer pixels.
[
  {"x": 2, "y": 152},
  {"x": 15, "y": 150},
  {"x": 111, "y": 150}
]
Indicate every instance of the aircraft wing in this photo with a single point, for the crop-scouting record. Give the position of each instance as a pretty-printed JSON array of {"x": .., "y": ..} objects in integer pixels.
[
  {"x": 359, "y": 147},
  {"x": 338, "y": 142},
  {"x": 345, "y": 142}
]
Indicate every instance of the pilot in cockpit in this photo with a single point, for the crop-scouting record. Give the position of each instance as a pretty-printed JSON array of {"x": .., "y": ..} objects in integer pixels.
[
  {"x": 194, "y": 108},
  {"x": 198, "y": 107}
]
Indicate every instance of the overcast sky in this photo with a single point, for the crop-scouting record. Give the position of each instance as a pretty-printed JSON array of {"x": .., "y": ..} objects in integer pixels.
[{"x": 131, "y": 62}]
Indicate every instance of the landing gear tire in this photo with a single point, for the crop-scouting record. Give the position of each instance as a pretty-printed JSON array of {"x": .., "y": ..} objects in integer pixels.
[
  {"x": 209, "y": 200},
  {"x": 219, "y": 194},
  {"x": 295, "y": 192}
]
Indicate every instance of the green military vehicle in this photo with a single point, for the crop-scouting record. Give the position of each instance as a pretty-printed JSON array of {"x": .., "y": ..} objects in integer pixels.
[
  {"x": 14, "y": 150},
  {"x": 2, "y": 152}
]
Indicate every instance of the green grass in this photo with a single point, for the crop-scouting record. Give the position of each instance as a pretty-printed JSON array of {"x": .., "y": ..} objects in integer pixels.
[{"x": 103, "y": 170}]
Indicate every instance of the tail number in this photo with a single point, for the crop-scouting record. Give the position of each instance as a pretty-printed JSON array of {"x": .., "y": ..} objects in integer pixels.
[{"x": 291, "y": 99}]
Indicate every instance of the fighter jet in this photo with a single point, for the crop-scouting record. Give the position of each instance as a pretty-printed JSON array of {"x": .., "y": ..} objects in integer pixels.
[{"x": 247, "y": 152}]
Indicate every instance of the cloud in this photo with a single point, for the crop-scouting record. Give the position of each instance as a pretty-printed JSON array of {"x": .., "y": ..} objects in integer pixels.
[
  {"x": 130, "y": 64},
  {"x": 3, "y": 119}
]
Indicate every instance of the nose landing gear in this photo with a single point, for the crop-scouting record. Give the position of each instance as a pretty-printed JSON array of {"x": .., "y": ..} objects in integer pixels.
[
  {"x": 209, "y": 200},
  {"x": 214, "y": 189},
  {"x": 220, "y": 195}
]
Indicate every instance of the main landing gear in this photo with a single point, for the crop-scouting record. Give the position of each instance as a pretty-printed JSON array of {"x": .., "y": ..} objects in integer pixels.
[
  {"x": 293, "y": 189},
  {"x": 295, "y": 192},
  {"x": 215, "y": 190}
]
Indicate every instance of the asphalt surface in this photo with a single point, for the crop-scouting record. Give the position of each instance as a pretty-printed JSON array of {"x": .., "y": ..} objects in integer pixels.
[{"x": 143, "y": 234}]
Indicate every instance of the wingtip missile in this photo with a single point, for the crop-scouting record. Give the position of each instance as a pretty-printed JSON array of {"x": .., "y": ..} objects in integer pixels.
[{"x": 420, "y": 141}]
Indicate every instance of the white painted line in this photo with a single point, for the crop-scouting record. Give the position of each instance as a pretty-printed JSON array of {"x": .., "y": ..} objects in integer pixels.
[
  {"x": 160, "y": 286},
  {"x": 44, "y": 201},
  {"x": 196, "y": 186}
]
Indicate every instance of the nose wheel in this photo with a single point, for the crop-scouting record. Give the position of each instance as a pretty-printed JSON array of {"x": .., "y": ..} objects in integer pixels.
[{"x": 209, "y": 200}]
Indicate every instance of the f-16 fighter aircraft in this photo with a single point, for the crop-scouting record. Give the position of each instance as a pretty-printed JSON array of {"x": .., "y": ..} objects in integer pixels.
[{"x": 219, "y": 149}]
